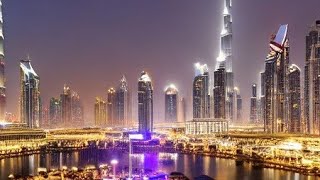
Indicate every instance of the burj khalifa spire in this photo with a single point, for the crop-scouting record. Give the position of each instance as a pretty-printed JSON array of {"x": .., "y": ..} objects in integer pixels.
[
  {"x": 225, "y": 55},
  {"x": 2, "y": 65}
]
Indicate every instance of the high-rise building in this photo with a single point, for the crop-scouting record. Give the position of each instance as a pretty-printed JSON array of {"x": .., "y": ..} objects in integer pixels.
[
  {"x": 171, "y": 103},
  {"x": 100, "y": 112},
  {"x": 294, "y": 99},
  {"x": 276, "y": 82},
  {"x": 111, "y": 107},
  {"x": 224, "y": 60},
  {"x": 312, "y": 80},
  {"x": 123, "y": 104},
  {"x": 45, "y": 120},
  {"x": 201, "y": 98},
  {"x": 182, "y": 115},
  {"x": 239, "y": 108},
  {"x": 76, "y": 110},
  {"x": 219, "y": 93},
  {"x": 2, "y": 66},
  {"x": 29, "y": 95},
  {"x": 253, "y": 104},
  {"x": 145, "y": 105},
  {"x": 261, "y": 103},
  {"x": 55, "y": 117},
  {"x": 66, "y": 113}
]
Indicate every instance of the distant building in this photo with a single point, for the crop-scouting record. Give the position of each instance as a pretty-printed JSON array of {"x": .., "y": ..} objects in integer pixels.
[
  {"x": 276, "y": 83},
  {"x": 111, "y": 107},
  {"x": 312, "y": 80},
  {"x": 171, "y": 104},
  {"x": 201, "y": 98},
  {"x": 100, "y": 113},
  {"x": 294, "y": 99},
  {"x": 123, "y": 104},
  {"x": 145, "y": 105},
  {"x": 239, "y": 105},
  {"x": 253, "y": 105},
  {"x": 262, "y": 100},
  {"x": 182, "y": 115},
  {"x": 29, "y": 95},
  {"x": 66, "y": 113},
  {"x": 219, "y": 93},
  {"x": 2, "y": 68},
  {"x": 76, "y": 110},
  {"x": 55, "y": 116}
]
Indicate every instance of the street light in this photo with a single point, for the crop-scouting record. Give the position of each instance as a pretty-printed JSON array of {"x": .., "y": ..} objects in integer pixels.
[{"x": 114, "y": 162}]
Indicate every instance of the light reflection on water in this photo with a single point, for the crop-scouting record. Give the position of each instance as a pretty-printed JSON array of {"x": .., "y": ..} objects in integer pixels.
[{"x": 190, "y": 165}]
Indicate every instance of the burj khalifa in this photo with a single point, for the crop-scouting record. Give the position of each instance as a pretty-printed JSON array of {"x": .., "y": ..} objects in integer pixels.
[
  {"x": 224, "y": 66},
  {"x": 2, "y": 65}
]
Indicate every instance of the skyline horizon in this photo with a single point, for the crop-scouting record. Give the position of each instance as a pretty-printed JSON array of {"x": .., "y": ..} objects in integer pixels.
[{"x": 154, "y": 73}]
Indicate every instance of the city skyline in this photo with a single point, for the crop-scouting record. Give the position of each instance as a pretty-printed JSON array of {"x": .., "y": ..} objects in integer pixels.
[{"x": 44, "y": 56}]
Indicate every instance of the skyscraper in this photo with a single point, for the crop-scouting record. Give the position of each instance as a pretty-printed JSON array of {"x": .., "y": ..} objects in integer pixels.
[
  {"x": 123, "y": 103},
  {"x": 145, "y": 105},
  {"x": 111, "y": 107},
  {"x": 29, "y": 95},
  {"x": 224, "y": 60},
  {"x": 76, "y": 110},
  {"x": 182, "y": 110},
  {"x": 201, "y": 98},
  {"x": 276, "y": 66},
  {"x": 294, "y": 99},
  {"x": 100, "y": 112},
  {"x": 171, "y": 103},
  {"x": 2, "y": 66},
  {"x": 66, "y": 113},
  {"x": 55, "y": 117},
  {"x": 262, "y": 99},
  {"x": 219, "y": 93},
  {"x": 312, "y": 80},
  {"x": 253, "y": 104}
]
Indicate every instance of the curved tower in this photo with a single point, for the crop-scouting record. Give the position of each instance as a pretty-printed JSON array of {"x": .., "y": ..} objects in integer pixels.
[{"x": 2, "y": 78}]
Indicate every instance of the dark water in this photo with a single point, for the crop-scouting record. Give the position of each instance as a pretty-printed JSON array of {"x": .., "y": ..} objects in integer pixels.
[{"x": 190, "y": 165}]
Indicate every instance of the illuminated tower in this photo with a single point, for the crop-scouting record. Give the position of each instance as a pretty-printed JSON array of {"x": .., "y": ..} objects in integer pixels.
[
  {"x": 66, "y": 112},
  {"x": 55, "y": 112},
  {"x": 312, "y": 80},
  {"x": 123, "y": 103},
  {"x": 276, "y": 83},
  {"x": 171, "y": 103},
  {"x": 76, "y": 110},
  {"x": 225, "y": 60},
  {"x": 201, "y": 98},
  {"x": 100, "y": 112},
  {"x": 294, "y": 99},
  {"x": 2, "y": 77},
  {"x": 219, "y": 93},
  {"x": 29, "y": 95},
  {"x": 253, "y": 104},
  {"x": 145, "y": 105},
  {"x": 111, "y": 107}
]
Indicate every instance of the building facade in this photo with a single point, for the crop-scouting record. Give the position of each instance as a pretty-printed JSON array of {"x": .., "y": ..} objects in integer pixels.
[
  {"x": 276, "y": 82},
  {"x": 66, "y": 113},
  {"x": 312, "y": 80},
  {"x": 254, "y": 105},
  {"x": 171, "y": 104},
  {"x": 55, "y": 116},
  {"x": 123, "y": 104},
  {"x": 111, "y": 108},
  {"x": 145, "y": 105},
  {"x": 294, "y": 99},
  {"x": 201, "y": 98},
  {"x": 29, "y": 95},
  {"x": 2, "y": 67},
  {"x": 219, "y": 93},
  {"x": 100, "y": 113}
]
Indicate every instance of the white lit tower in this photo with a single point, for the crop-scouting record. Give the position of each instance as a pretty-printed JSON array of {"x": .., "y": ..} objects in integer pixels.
[
  {"x": 225, "y": 61},
  {"x": 2, "y": 78}
]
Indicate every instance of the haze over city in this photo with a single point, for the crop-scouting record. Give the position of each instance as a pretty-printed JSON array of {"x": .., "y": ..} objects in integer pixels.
[{"x": 90, "y": 45}]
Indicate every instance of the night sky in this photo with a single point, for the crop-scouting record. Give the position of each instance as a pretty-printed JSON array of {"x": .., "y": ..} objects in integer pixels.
[{"x": 89, "y": 44}]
